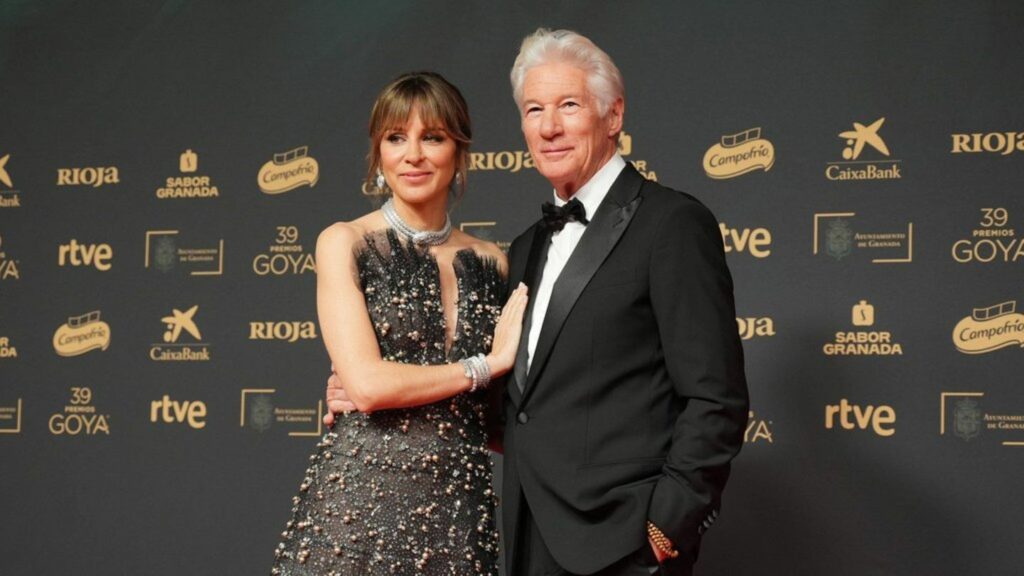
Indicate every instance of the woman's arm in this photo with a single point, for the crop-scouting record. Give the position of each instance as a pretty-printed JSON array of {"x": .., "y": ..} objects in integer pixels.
[{"x": 370, "y": 382}]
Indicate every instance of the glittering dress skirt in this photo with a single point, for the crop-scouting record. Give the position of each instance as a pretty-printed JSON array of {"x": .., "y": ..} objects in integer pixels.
[{"x": 405, "y": 491}]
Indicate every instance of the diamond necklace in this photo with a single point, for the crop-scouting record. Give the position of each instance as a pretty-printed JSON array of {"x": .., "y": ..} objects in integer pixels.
[{"x": 418, "y": 237}]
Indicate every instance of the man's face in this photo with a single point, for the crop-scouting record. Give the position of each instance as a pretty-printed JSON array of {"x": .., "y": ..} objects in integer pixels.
[{"x": 567, "y": 138}]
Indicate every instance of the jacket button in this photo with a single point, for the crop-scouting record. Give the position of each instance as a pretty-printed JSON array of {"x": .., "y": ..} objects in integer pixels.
[{"x": 523, "y": 418}]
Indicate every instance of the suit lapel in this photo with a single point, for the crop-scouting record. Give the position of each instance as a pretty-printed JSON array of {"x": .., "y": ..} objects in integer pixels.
[
  {"x": 601, "y": 236},
  {"x": 538, "y": 256}
]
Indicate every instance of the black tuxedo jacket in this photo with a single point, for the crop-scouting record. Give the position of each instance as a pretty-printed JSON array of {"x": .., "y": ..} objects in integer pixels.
[{"x": 636, "y": 400}]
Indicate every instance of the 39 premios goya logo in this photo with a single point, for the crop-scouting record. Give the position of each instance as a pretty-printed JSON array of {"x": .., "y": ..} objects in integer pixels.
[
  {"x": 188, "y": 184},
  {"x": 989, "y": 329},
  {"x": 843, "y": 236},
  {"x": 865, "y": 155},
  {"x": 8, "y": 264},
  {"x": 860, "y": 341},
  {"x": 288, "y": 170},
  {"x": 992, "y": 241},
  {"x": 10, "y": 197},
  {"x": 174, "y": 251},
  {"x": 181, "y": 339},
  {"x": 758, "y": 430},
  {"x": 80, "y": 416},
  {"x": 262, "y": 410},
  {"x": 286, "y": 256},
  {"x": 737, "y": 154},
  {"x": 81, "y": 334},
  {"x": 972, "y": 417}
]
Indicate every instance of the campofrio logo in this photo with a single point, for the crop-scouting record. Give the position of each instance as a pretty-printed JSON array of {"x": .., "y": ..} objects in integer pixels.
[
  {"x": 738, "y": 154},
  {"x": 288, "y": 170}
]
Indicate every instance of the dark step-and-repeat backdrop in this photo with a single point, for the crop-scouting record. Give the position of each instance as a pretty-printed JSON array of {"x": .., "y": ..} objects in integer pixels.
[{"x": 166, "y": 167}]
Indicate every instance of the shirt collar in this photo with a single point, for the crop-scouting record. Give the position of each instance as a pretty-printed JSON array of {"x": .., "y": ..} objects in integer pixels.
[{"x": 594, "y": 191}]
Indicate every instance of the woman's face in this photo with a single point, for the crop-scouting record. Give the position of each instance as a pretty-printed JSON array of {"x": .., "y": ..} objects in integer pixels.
[{"x": 418, "y": 161}]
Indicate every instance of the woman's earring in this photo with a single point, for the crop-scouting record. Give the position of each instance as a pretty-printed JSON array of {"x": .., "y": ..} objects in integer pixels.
[{"x": 381, "y": 182}]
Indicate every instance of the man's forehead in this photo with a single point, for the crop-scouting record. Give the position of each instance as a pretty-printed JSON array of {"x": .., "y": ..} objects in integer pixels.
[{"x": 554, "y": 80}]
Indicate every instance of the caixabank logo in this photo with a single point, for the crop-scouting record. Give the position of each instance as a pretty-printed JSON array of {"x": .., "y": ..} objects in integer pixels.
[
  {"x": 844, "y": 236},
  {"x": 172, "y": 250},
  {"x": 81, "y": 334},
  {"x": 262, "y": 410},
  {"x": 188, "y": 184},
  {"x": 288, "y": 171},
  {"x": 175, "y": 346},
  {"x": 969, "y": 416},
  {"x": 10, "y": 197},
  {"x": 989, "y": 329},
  {"x": 80, "y": 417},
  {"x": 861, "y": 341},
  {"x": 866, "y": 156},
  {"x": 992, "y": 241},
  {"x": 285, "y": 257},
  {"x": 737, "y": 154}
]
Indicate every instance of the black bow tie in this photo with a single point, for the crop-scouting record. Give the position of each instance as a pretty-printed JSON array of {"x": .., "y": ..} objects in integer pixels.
[{"x": 555, "y": 217}]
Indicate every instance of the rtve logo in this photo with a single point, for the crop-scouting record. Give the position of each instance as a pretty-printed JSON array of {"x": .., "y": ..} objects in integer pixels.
[
  {"x": 75, "y": 254},
  {"x": 853, "y": 416},
  {"x": 756, "y": 241},
  {"x": 175, "y": 412}
]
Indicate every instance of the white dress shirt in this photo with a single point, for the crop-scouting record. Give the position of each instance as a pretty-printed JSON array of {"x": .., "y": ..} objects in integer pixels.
[{"x": 564, "y": 242}]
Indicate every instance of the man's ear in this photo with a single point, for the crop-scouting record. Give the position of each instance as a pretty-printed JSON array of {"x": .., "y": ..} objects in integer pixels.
[{"x": 615, "y": 115}]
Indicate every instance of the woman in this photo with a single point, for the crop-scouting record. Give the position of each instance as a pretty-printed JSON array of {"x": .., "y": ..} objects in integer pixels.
[{"x": 409, "y": 310}]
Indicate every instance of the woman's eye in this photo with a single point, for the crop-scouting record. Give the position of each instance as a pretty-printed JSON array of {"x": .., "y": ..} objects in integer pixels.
[
  {"x": 434, "y": 138},
  {"x": 395, "y": 138}
]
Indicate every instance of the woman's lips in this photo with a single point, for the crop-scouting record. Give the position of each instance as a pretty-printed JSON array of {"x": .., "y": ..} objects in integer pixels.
[{"x": 416, "y": 177}]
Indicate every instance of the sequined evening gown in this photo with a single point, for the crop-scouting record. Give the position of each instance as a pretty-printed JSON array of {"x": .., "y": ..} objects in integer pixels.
[{"x": 405, "y": 491}]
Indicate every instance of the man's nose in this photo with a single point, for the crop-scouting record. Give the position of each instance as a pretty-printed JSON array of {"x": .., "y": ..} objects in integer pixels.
[{"x": 550, "y": 126}]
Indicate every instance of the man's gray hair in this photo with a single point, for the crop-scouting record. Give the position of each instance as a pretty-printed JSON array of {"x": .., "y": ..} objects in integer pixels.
[{"x": 604, "y": 81}]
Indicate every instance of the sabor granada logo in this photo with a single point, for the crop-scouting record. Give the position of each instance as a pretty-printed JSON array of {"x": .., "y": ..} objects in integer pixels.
[
  {"x": 81, "y": 334},
  {"x": 863, "y": 342},
  {"x": 1002, "y": 143},
  {"x": 7, "y": 350},
  {"x": 853, "y": 168},
  {"x": 989, "y": 329},
  {"x": 288, "y": 170},
  {"x": 737, "y": 154},
  {"x": 187, "y": 186}
]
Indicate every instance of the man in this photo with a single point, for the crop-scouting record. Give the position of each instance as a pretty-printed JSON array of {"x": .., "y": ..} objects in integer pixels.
[{"x": 628, "y": 399}]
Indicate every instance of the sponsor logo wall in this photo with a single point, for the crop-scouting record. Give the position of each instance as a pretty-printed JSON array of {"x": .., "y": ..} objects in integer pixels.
[{"x": 158, "y": 263}]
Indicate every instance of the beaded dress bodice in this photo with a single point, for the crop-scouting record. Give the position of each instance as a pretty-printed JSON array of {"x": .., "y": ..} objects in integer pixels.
[{"x": 405, "y": 491}]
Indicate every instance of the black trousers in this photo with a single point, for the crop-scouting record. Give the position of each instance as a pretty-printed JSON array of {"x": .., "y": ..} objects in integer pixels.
[{"x": 534, "y": 559}]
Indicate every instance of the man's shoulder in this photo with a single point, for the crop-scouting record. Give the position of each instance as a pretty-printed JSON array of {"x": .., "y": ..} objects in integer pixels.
[{"x": 661, "y": 201}]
